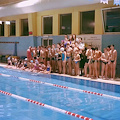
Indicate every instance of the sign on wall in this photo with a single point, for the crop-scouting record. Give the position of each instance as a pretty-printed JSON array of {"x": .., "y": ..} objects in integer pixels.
[{"x": 94, "y": 40}]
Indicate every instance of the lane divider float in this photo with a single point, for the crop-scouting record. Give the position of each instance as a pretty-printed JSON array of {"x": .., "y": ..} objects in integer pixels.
[
  {"x": 64, "y": 87},
  {"x": 46, "y": 106}
]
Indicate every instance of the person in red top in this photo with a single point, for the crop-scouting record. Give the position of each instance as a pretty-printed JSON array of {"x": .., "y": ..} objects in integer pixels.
[{"x": 29, "y": 56}]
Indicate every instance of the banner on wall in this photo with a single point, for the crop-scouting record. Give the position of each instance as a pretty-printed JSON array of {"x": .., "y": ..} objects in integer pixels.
[
  {"x": 94, "y": 40},
  {"x": 116, "y": 2},
  {"x": 104, "y": 1}
]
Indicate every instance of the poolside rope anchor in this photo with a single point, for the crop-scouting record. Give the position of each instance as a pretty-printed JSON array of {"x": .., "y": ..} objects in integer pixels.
[
  {"x": 64, "y": 87},
  {"x": 46, "y": 106}
]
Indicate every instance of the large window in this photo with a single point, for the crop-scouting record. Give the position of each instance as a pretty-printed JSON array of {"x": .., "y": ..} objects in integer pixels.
[
  {"x": 65, "y": 24},
  {"x": 12, "y": 28},
  {"x": 87, "y": 22},
  {"x": 2, "y": 29},
  {"x": 48, "y": 25},
  {"x": 111, "y": 19},
  {"x": 24, "y": 27}
]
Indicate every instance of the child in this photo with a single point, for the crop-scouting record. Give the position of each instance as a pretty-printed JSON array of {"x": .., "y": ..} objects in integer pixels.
[
  {"x": 63, "y": 59},
  {"x": 48, "y": 69},
  {"x": 42, "y": 67},
  {"x": 76, "y": 60}
]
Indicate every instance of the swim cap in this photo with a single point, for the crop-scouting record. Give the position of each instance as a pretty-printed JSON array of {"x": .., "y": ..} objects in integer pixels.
[
  {"x": 26, "y": 59},
  {"x": 62, "y": 49}
]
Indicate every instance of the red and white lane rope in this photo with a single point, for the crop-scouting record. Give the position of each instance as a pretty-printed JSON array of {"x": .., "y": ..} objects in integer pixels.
[
  {"x": 46, "y": 106},
  {"x": 64, "y": 87}
]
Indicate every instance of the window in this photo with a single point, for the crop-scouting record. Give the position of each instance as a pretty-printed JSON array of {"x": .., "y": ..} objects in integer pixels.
[
  {"x": 24, "y": 27},
  {"x": 111, "y": 19},
  {"x": 48, "y": 25},
  {"x": 12, "y": 28},
  {"x": 87, "y": 22},
  {"x": 46, "y": 42},
  {"x": 2, "y": 29},
  {"x": 65, "y": 24}
]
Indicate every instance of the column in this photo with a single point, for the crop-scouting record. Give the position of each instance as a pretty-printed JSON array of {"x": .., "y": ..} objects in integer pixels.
[
  {"x": 56, "y": 24},
  {"x": 98, "y": 22},
  {"x": 18, "y": 27},
  {"x": 32, "y": 23},
  {"x": 39, "y": 25},
  {"x": 75, "y": 23},
  {"x": 6, "y": 30}
]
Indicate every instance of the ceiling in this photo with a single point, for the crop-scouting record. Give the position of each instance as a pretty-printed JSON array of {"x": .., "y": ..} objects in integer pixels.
[
  {"x": 38, "y": 5},
  {"x": 8, "y": 2}
]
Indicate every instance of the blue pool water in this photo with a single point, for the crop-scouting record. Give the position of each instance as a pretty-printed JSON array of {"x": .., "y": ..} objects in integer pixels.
[{"x": 92, "y": 106}]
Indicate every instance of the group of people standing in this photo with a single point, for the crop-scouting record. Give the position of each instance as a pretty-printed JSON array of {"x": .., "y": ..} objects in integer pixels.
[{"x": 73, "y": 58}]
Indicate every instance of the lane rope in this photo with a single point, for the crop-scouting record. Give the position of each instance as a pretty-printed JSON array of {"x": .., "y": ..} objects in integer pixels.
[
  {"x": 46, "y": 106},
  {"x": 64, "y": 87}
]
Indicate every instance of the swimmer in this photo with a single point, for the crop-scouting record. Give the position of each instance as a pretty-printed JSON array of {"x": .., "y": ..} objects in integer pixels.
[
  {"x": 43, "y": 55},
  {"x": 48, "y": 68},
  {"x": 29, "y": 56},
  {"x": 58, "y": 56},
  {"x": 105, "y": 60},
  {"x": 87, "y": 62},
  {"x": 109, "y": 65},
  {"x": 53, "y": 57},
  {"x": 69, "y": 58},
  {"x": 76, "y": 60},
  {"x": 63, "y": 59},
  {"x": 98, "y": 54},
  {"x": 113, "y": 60}
]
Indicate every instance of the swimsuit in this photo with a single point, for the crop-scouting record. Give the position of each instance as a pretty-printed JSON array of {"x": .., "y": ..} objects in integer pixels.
[
  {"x": 37, "y": 67},
  {"x": 76, "y": 62},
  {"x": 105, "y": 62},
  {"x": 53, "y": 58},
  {"x": 38, "y": 53},
  {"x": 25, "y": 65},
  {"x": 67, "y": 57},
  {"x": 65, "y": 45},
  {"x": 48, "y": 68},
  {"x": 96, "y": 60},
  {"x": 112, "y": 61},
  {"x": 92, "y": 61},
  {"x": 29, "y": 55},
  {"x": 63, "y": 56},
  {"x": 48, "y": 59},
  {"x": 87, "y": 60}
]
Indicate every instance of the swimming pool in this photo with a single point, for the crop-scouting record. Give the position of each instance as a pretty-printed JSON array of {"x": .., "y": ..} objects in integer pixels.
[{"x": 59, "y": 93}]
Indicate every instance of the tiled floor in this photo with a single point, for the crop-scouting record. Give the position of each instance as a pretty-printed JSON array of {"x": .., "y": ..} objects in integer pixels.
[{"x": 116, "y": 81}]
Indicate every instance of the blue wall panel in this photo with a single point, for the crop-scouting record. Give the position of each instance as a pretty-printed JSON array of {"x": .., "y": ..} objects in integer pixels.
[
  {"x": 8, "y": 48},
  {"x": 113, "y": 39}
]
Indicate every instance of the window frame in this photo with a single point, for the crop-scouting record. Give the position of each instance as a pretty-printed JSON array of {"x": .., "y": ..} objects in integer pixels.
[
  {"x": 43, "y": 24},
  {"x": 10, "y": 30},
  {"x": 4, "y": 29},
  {"x": 48, "y": 39},
  {"x": 80, "y": 23},
  {"x": 22, "y": 28},
  {"x": 107, "y": 33},
  {"x": 60, "y": 23}
]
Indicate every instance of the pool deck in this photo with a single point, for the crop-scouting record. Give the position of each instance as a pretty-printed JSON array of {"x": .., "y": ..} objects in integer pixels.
[{"x": 116, "y": 81}]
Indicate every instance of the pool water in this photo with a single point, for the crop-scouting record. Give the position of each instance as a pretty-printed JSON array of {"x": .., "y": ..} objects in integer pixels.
[{"x": 92, "y": 106}]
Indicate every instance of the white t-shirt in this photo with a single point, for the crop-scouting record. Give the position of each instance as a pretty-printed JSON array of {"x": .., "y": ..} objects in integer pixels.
[{"x": 81, "y": 46}]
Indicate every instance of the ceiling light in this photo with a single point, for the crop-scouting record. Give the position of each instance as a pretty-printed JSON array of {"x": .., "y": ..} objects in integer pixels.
[{"x": 27, "y": 3}]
